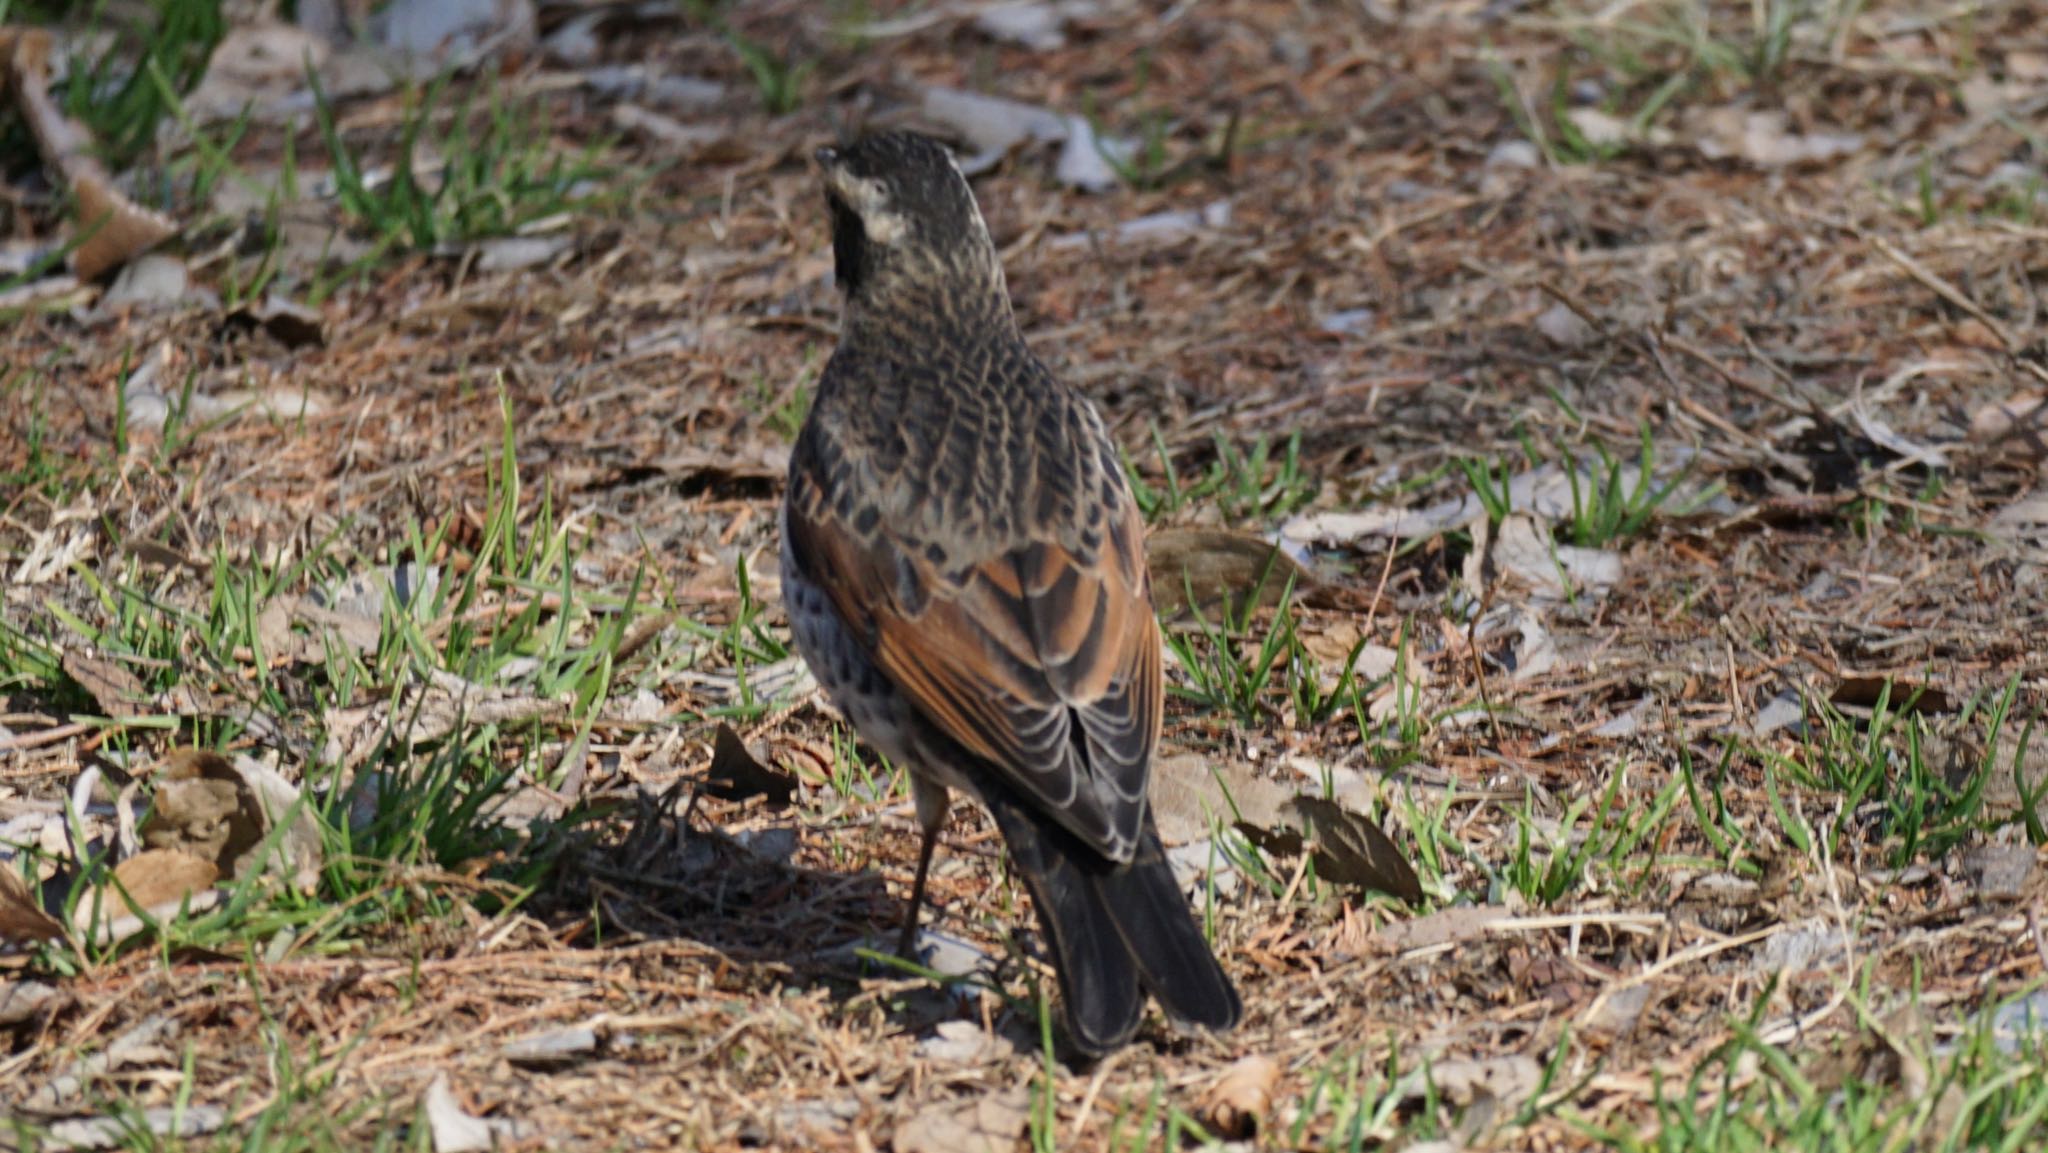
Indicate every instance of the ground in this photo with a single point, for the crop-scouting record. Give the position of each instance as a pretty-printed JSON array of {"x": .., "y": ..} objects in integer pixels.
[{"x": 1645, "y": 399}]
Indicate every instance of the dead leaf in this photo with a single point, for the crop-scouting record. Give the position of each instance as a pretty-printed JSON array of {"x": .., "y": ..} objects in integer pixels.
[
  {"x": 454, "y": 1130},
  {"x": 2001, "y": 872},
  {"x": 114, "y": 228},
  {"x": 1616, "y": 1014},
  {"x": 1034, "y": 24},
  {"x": 991, "y": 1123},
  {"x": 1899, "y": 694},
  {"x": 2023, "y": 520},
  {"x": 24, "y": 1001},
  {"x": 1218, "y": 572},
  {"x": 1545, "y": 493},
  {"x": 961, "y": 1043},
  {"x": 257, "y": 64},
  {"x": 1190, "y": 791},
  {"x": 154, "y": 882},
  {"x": 1353, "y": 850},
  {"x": 294, "y": 854},
  {"x": 1762, "y": 139},
  {"x": 1157, "y": 228},
  {"x": 22, "y": 920},
  {"x": 1523, "y": 547},
  {"x": 1085, "y": 159},
  {"x": 735, "y": 774},
  {"x": 1564, "y": 327},
  {"x": 293, "y": 324},
  {"x": 1508, "y": 1080},
  {"x": 117, "y": 691},
  {"x": 552, "y": 1049},
  {"x": 1443, "y": 927},
  {"x": 197, "y": 817},
  {"x": 274, "y": 628},
  {"x": 226, "y": 812},
  {"x": 1239, "y": 1100},
  {"x": 149, "y": 283},
  {"x": 2017, "y": 425},
  {"x": 666, "y": 130},
  {"x": 990, "y": 125},
  {"x": 455, "y": 32},
  {"x": 421, "y": 713}
]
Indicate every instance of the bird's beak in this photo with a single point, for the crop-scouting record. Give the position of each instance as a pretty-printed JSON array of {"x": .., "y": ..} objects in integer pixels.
[{"x": 827, "y": 157}]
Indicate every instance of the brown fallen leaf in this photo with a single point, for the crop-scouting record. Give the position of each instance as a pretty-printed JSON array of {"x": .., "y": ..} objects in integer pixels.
[
  {"x": 735, "y": 775},
  {"x": 1443, "y": 927},
  {"x": 153, "y": 882},
  {"x": 199, "y": 818},
  {"x": 1190, "y": 791},
  {"x": 991, "y": 1123},
  {"x": 1899, "y": 695},
  {"x": 1351, "y": 849},
  {"x": 116, "y": 690},
  {"x": 225, "y": 812},
  {"x": 1216, "y": 572},
  {"x": 22, "y": 920},
  {"x": 113, "y": 228},
  {"x": 1238, "y": 1101}
]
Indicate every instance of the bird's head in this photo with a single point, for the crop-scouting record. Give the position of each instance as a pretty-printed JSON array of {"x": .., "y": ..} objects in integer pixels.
[{"x": 902, "y": 214}]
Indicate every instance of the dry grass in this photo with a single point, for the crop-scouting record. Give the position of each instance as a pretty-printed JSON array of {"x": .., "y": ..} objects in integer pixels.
[{"x": 1803, "y": 914}]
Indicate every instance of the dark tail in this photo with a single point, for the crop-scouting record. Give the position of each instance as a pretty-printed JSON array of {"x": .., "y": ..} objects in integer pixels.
[{"x": 1115, "y": 929}]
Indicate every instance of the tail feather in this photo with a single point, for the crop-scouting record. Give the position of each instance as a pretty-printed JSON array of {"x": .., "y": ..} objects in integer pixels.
[
  {"x": 1116, "y": 932},
  {"x": 1163, "y": 937}
]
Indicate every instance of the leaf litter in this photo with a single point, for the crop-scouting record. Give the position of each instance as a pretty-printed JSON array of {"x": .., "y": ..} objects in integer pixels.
[{"x": 1412, "y": 263}]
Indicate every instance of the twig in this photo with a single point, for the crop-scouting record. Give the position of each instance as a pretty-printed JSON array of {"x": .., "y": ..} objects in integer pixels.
[{"x": 1944, "y": 289}]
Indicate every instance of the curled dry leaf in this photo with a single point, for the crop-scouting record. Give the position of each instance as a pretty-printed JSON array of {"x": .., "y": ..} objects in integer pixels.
[
  {"x": 1353, "y": 850},
  {"x": 1234, "y": 1106},
  {"x": 152, "y": 883},
  {"x": 736, "y": 775},
  {"x": 1522, "y": 547},
  {"x": 114, "y": 229},
  {"x": 1190, "y": 792},
  {"x": 227, "y": 813},
  {"x": 21, "y": 918}
]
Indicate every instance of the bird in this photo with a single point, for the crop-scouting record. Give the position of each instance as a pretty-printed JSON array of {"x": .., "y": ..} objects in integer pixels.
[{"x": 963, "y": 569}]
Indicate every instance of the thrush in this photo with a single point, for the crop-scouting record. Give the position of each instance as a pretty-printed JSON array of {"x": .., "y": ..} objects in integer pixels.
[{"x": 964, "y": 570}]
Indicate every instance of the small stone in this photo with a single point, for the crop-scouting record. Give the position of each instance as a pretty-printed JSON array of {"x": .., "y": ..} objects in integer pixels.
[
  {"x": 1564, "y": 328},
  {"x": 1514, "y": 154}
]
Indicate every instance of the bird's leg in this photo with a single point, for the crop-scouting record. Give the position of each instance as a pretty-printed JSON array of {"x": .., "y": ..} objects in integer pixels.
[{"x": 932, "y": 801}]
